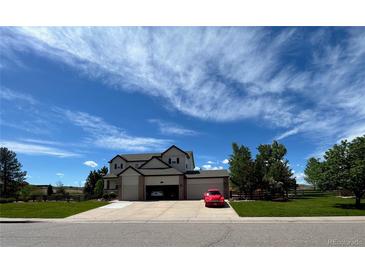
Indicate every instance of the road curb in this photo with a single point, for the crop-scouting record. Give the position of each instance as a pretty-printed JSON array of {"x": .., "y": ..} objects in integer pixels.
[{"x": 241, "y": 220}]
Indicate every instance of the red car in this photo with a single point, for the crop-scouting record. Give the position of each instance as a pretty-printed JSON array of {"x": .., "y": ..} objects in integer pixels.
[{"x": 213, "y": 197}]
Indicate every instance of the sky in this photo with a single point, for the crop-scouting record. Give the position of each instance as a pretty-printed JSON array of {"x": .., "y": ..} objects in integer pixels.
[{"x": 73, "y": 98}]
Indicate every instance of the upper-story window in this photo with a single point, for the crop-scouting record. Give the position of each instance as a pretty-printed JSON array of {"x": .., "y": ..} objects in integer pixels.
[
  {"x": 116, "y": 166},
  {"x": 170, "y": 161},
  {"x": 177, "y": 160}
]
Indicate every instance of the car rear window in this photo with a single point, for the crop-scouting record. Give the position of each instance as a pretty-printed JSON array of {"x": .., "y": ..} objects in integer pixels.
[{"x": 214, "y": 192}]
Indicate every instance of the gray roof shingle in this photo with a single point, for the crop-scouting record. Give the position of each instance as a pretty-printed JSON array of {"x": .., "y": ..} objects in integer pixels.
[
  {"x": 140, "y": 156},
  {"x": 208, "y": 173}
]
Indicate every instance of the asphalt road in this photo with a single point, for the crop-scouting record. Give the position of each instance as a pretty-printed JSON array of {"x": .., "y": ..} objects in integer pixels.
[{"x": 175, "y": 234}]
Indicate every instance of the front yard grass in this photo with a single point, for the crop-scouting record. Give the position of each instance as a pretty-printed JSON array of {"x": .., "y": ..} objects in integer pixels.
[
  {"x": 46, "y": 209},
  {"x": 316, "y": 205}
]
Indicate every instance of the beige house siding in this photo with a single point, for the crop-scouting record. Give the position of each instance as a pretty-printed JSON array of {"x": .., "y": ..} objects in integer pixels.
[
  {"x": 172, "y": 154},
  {"x": 117, "y": 161},
  {"x": 156, "y": 180},
  {"x": 155, "y": 163},
  {"x": 141, "y": 188},
  {"x": 181, "y": 187}
]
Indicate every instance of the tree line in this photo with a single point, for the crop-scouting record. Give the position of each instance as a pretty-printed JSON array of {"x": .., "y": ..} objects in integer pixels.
[
  {"x": 269, "y": 172},
  {"x": 13, "y": 180},
  {"x": 342, "y": 166}
]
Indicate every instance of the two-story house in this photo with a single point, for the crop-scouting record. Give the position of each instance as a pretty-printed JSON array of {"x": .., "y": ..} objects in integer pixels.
[{"x": 167, "y": 175}]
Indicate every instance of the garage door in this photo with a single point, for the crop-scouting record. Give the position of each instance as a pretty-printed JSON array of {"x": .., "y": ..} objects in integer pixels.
[
  {"x": 197, "y": 187},
  {"x": 170, "y": 192},
  {"x": 130, "y": 188}
]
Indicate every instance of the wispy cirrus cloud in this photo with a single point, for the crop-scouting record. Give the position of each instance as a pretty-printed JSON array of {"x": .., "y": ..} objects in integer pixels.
[
  {"x": 41, "y": 118},
  {"x": 168, "y": 128},
  {"x": 10, "y": 95},
  {"x": 33, "y": 148},
  {"x": 299, "y": 81},
  {"x": 105, "y": 135}
]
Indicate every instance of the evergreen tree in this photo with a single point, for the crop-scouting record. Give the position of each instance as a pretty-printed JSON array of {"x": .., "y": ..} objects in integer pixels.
[
  {"x": 99, "y": 188},
  {"x": 242, "y": 169},
  {"x": 49, "y": 190},
  {"x": 93, "y": 177},
  {"x": 10, "y": 171}
]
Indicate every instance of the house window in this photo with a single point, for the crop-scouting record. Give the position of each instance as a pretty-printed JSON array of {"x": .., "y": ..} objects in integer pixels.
[
  {"x": 121, "y": 166},
  {"x": 177, "y": 160},
  {"x": 170, "y": 161},
  {"x": 107, "y": 184},
  {"x": 115, "y": 166},
  {"x": 116, "y": 186},
  {"x": 186, "y": 166}
]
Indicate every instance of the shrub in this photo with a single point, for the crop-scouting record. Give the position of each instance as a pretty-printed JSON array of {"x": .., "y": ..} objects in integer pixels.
[
  {"x": 106, "y": 196},
  {"x": 58, "y": 196},
  {"x": 112, "y": 195},
  {"x": 67, "y": 196},
  {"x": 6, "y": 200},
  {"x": 99, "y": 188}
]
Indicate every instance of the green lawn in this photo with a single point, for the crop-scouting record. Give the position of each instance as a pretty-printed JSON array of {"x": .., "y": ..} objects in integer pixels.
[
  {"x": 46, "y": 209},
  {"x": 308, "y": 205}
]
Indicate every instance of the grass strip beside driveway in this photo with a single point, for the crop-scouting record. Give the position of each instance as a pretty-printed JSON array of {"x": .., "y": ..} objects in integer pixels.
[
  {"x": 46, "y": 209},
  {"x": 302, "y": 207}
]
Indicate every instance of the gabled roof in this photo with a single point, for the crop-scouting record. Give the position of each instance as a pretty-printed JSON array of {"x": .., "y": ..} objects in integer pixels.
[
  {"x": 117, "y": 156},
  {"x": 110, "y": 175},
  {"x": 155, "y": 171},
  {"x": 207, "y": 174},
  {"x": 130, "y": 167},
  {"x": 163, "y": 171},
  {"x": 140, "y": 157},
  {"x": 157, "y": 158},
  {"x": 173, "y": 146}
]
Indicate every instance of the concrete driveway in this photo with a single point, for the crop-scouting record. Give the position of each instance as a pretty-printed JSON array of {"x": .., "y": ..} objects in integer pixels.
[{"x": 154, "y": 211}]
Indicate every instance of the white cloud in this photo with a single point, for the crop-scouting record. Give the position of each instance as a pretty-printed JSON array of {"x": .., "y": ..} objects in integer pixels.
[
  {"x": 210, "y": 167},
  {"x": 210, "y": 162},
  {"x": 90, "y": 164},
  {"x": 172, "y": 128},
  {"x": 11, "y": 95},
  {"x": 59, "y": 174},
  {"x": 225, "y": 161},
  {"x": 299, "y": 177},
  {"x": 109, "y": 136},
  {"x": 36, "y": 149},
  {"x": 222, "y": 74}
]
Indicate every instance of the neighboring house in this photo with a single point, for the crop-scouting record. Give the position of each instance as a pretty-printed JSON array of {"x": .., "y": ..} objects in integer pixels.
[{"x": 166, "y": 175}]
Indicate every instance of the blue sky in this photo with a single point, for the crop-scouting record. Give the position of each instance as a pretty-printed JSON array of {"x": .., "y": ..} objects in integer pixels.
[{"x": 72, "y": 98}]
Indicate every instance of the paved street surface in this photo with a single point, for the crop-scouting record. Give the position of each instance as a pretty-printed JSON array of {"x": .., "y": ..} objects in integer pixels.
[{"x": 182, "y": 234}]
